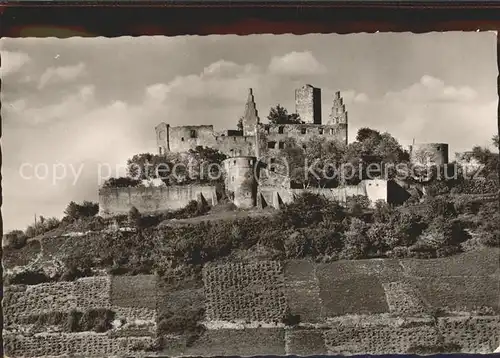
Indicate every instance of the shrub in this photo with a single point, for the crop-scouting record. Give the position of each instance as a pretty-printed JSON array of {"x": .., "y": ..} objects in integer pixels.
[
  {"x": 326, "y": 238},
  {"x": 357, "y": 205},
  {"x": 291, "y": 319},
  {"x": 437, "y": 188},
  {"x": 121, "y": 182},
  {"x": 438, "y": 206},
  {"x": 42, "y": 226},
  {"x": 378, "y": 235},
  {"x": 183, "y": 322},
  {"x": 306, "y": 209},
  {"x": 134, "y": 217},
  {"x": 297, "y": 245},
  {"x": 85, "y": 210},
  {"x": 356, "y": 236},
  {"x": 406, "y": 226},
  {"x": 27, "y": 278},
  {"x": 98, "y": 320},
  {"x": 382, "y": 211},
  {"x": 73, "y": 272},
  {"x": 15, "y": 239},
  {"x": 399, "y": 252}
]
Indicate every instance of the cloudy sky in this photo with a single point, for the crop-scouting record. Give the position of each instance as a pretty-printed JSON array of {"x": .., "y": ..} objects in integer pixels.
[{"x": 74, "y": 105}]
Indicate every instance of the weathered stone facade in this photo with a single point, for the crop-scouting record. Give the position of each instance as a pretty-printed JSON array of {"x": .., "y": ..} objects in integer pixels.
[
  {"x": 256, "y": 138},
  {"x": 115, "y": 201},
  {"x": 241, "y": 180},
  {"x": 429, "y": 153},
  {"x": 338, "y": 114},
  {"x": 308, "y": 104}
]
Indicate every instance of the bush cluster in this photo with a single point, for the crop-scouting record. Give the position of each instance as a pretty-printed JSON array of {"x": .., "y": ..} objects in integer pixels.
[
  {"x": 97, "y": 320},
  {"x": 310, "y": 226}
]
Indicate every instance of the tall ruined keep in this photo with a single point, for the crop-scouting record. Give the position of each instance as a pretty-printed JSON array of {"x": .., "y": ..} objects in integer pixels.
[{"x": 308, "y": 104}]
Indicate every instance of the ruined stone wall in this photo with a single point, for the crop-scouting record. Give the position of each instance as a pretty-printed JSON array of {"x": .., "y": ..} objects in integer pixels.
[
  {"x": 338, "y": 112},
  {"x": 276, "y": 196},
  {"x": 429, "y": 153},
  {"x": 162, "y": 135},
  {"x": 308, "y": 104},
  {"x": 272, "y": 138},
  {"x": 234, "y": 146},
  {"x": 115, "y": 201},
  {"x": 241, "y": 180},
  {"x": 183, "y": 138}
]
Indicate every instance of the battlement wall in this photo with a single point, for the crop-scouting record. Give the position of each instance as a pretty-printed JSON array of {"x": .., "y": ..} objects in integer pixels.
[
  {"x": 116, "y": 201},
  {"x": 276, "y": 196},
  {"x": 273, "y": 137}
]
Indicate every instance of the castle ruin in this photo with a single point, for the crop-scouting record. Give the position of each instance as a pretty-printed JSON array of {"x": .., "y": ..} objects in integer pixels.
[
  {"x": 251, "y": 150},
  {"x": 258, "y": 139}
]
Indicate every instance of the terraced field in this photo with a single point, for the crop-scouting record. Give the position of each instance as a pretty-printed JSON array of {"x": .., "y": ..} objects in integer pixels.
[{"x": 345, "y": 307}]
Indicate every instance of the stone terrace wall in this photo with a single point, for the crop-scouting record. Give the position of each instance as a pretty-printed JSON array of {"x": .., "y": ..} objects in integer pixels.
[
  {"x": 79, "y": 344},
  {"x": 131, "y": 297},
  {"x": 114, "y": 201}
]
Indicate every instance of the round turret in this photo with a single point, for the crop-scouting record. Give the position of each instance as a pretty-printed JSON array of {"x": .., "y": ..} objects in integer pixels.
[
  {"x": 241, "y": 181},
  {"x": 429, "y": 153}
]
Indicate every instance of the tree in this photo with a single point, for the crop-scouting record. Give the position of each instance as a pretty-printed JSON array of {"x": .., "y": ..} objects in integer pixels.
[
  {"x": 147, "y": 166},
  {"x": 78, "y": 211},
  {"x": 240, "y": 124},
  {"x": 279, "y": 115},
  {"x": 488, "y": 159},
  {"x": 134, "y": 217},
  {"x": 205, "y": 164},
  {"x": 355, "y": 240},
  {"x": 315, "y": 164},
  {"x": 121, "y": 182},
  {"x": 372, "y": 155},
  {"x": 367, "y": 133},
  {"x": 15, "y": 239},
  {"x": 496, "y": 141}
]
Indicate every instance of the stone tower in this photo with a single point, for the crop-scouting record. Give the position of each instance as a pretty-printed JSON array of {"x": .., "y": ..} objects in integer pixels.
[
  {"x": 162, "y": 138},
  {"x": 251, "y": 117},
  {"x": 308, "y": 104},
  {"x": 241, "y": 181},
  {"x": 338, "y": 114}
]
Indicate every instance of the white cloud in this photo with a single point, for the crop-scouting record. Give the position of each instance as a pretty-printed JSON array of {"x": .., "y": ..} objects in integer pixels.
[
  {"x": 296, "y": 64},
  {"x": 12, "y": 62},
  {"x": 61, "y": 74},
  {"x": 221, "y": 80},
  {"x": 68, "y": 108},
  {"x": 431, "y": 89}
]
